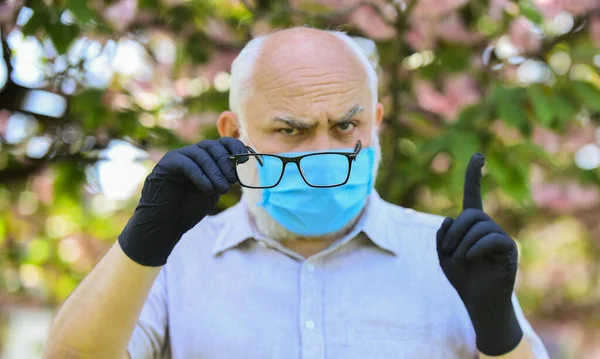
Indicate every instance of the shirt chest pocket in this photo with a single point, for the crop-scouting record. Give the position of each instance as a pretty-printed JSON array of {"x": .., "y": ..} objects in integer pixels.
[{"x": 386, "y": 339}]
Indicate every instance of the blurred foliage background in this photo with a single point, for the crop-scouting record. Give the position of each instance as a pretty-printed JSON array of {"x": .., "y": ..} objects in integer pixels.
[{"x": 94, "y": 92}]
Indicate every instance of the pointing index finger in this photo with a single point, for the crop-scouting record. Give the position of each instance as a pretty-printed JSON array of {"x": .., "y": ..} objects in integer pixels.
[{"x": 472, "y": 189}]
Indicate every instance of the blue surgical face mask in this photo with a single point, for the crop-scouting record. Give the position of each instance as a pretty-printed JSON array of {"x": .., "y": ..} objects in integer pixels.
[{"x": 310, "y": 211}]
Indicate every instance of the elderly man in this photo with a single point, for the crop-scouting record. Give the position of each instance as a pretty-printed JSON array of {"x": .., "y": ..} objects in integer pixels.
[{"x": 312, "y": 263}]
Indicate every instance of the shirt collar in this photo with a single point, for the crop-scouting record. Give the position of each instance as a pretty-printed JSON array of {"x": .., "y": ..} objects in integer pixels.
[
  {"x": 373, "y": 222},
  {"x": 376, "y": 224},
  {"x": 237, "y": 229}
]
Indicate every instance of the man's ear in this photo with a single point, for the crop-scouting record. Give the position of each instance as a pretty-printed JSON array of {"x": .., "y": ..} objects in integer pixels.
[
  {"x": 378, "y": 114},
  {"x": 228, "y": 125}
]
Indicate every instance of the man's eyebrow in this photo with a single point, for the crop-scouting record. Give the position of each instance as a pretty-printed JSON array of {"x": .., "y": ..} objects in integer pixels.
[
  {"x": 294, "y": 123},
  {"x": 302, "y": 125},
  {"x": 348, "y": 116}
]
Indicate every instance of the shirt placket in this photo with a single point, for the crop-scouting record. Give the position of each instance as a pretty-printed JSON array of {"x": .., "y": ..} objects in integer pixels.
[{"x": 311, "y": 311}]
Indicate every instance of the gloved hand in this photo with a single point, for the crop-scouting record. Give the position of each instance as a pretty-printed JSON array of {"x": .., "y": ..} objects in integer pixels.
[
  {"x": 480, "y": 261},
  {"x": 182, "y": 189}
]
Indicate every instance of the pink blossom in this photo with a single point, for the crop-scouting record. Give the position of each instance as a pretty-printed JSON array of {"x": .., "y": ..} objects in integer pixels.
[
  {"x": 565, "y": 197},
  {"x": 496, "y": 8},
  {"x": 595, "y": 31},
  {"x": 121, "y": 14},
  {"x": 433, "y": 9},
  {"x": 546, "y": 139},
  {"x": 432, "y": 100},
  {"x": 219, "y": 62},
  {"x": 522, "y": 37},
  {"x": 218, "y": 30},
  {"x": 509, "y": 135},
  {"x": 453, "y": 29},
  {"x": 551, "y": 8},
  {"x": 459, "y": 91},
  {"x": 8, "y": 10},
  {"x": 370, "y": 22},
  {"x": 420, "y": 38},
  {"x": 4, "y": 116},
  {"x": 43, "y": 186}
]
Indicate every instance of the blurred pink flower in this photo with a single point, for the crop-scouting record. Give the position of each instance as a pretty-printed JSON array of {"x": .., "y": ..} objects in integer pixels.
[
  {"x": 426, "y": 24},
  {"x": 42, "y": 186},
  {"x": 496, "y": 8},
  {"x": 8, "y": 10},
  {"x": 523, "y": 37},
  {"x": 4, "y": 116},
  {"x": 189, "y": 129},
  {"x": 508, "y": 134},
  {"x": 433, "y": 9},
  {"x": 595, "y": 31},
  {"x": 431, "y": 99},
  {"x": 546, "y": 139},
  {"x": 420, "y": 37},
  {"x": 551, "y": 8},
  {"x": 218, "y": 30},
  {"x": 121, "y": 14},
  {"x": 565, "y": 197},
  {"x": 453, "y": 29},
  {"x": 370, "y": 22},
  {"x": 219, "y": 62},
  {"x": 459, "y": 91}
]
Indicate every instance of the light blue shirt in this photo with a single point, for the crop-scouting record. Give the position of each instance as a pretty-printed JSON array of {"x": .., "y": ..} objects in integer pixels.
[{"x": 379, "y": 292}]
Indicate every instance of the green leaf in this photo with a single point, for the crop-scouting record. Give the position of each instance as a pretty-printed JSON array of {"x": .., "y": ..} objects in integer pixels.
[
  {"x": 197, "y": 48},
  {"x": 462, "y": 146},
  {"x": 88, "y": 106},
  {"x": 454, "y": 58},
  {"x": 588, "y": 94},
  {"x": 530, "y": 11},
  {"x": 511, "y": 107},
  {"x": 62, "y": 36},
  {"x": 38, "y": 19},
  {"x": 82, "y": 11},
  {"x": 69, "y": 178},
  {"x": 530, "y": 152},
  {"x": 127, "y": 123},
  {"x": 542, "y": 105},
  {"x": 563, "y": 109}
]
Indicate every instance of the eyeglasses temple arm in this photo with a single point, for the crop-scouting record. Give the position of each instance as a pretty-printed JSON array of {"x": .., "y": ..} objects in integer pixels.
[{"x": 258, "y": 158}]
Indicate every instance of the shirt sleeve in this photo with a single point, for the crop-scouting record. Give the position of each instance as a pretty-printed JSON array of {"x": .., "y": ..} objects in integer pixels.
[
  {"x": 537, "y": 347},
  {"x": 149, "y": 338}
]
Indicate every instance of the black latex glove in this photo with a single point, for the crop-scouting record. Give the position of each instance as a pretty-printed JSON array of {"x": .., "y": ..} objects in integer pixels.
[
  {"x": 182, "y": 189},
  {"x": 480, "y": 261}
]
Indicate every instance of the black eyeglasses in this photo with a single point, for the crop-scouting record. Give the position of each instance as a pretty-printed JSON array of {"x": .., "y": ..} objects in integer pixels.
[{"x": 309, "y": 165}]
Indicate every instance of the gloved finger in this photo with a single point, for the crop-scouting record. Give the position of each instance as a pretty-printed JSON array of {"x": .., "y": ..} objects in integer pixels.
[
  {"x": 208, "y": 167},
  {"x": 472, "y": 188},
  {"x": 234, "y": 146},
  {"x": 220, "y": 155},
  {"x": 180, "y": 164},
  {"x": 441, "y": 233},
  {"x": 477, "y": 231},
  {"x": 492, "y": 243},
  {"x": 461, "y": 226}
]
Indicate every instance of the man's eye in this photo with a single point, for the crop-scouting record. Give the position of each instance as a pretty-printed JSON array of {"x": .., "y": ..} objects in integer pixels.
[
  {"x": 345, "y": 126},
  {"x": 289, "y": 131}
]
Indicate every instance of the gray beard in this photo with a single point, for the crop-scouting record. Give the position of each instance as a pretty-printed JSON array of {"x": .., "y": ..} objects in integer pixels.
[{"x": 270, "y": 228}]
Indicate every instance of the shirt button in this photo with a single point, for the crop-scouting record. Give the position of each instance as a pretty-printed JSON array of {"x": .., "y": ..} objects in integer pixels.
[
  {"x": 310, "y": 267},
  {"x": 310, "y": 325}
]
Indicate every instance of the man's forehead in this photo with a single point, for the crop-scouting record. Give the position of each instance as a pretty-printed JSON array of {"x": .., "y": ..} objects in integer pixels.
[{"x": 308, "y": 51}]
